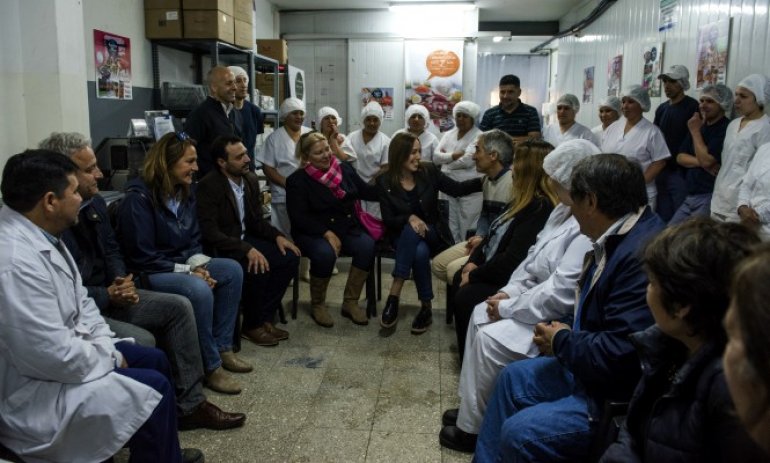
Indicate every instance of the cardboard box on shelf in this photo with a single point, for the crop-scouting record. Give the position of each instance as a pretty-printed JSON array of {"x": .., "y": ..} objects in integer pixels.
[
  {"x": 264, "y": 83},
  {"x": 162, "y": 4},
  {"x": 163, "y": 24},
  {"x": 225, "y": 6},
  {"x": 276, "y": 49},
  {"x": 208, "y": 24},
  {"x": 242, "y": 10},
  {"x": 244, "y": 34}
]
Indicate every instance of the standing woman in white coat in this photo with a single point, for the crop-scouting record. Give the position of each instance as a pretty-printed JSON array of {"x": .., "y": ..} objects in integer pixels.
[
  {"x": 455, "y": 156},
  {"x": 609, "y": 112},
  {"x": 417, "y": 120},
  {"x": 744, "y": 136},
  {"x": 67, "y": 393},
  {"x": 566, "y": 128}
]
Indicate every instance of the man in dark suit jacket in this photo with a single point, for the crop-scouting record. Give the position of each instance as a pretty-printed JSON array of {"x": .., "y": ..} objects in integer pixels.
[{"x": 231, "y": 223}]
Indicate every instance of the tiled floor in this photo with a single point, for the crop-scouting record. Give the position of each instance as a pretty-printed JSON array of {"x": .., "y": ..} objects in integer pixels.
[{"x": 343, "y": 394}]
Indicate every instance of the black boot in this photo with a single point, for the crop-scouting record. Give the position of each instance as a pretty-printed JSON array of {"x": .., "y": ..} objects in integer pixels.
[
  {"x": 390, "y": 312},
  {"x": 423, "y": 319}
]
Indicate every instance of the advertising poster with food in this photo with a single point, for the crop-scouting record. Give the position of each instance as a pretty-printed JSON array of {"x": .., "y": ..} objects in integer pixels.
[
  {"x": 434, "y": 78},
  {"x": 588, "y": 84},
  {"x": 382, "y": 95},
  {"x": 614, "y": 75},
  {"x": 112, "y": 60},
  {"x": 652, "y": 56},
  {"x": 713, "y": 45}
]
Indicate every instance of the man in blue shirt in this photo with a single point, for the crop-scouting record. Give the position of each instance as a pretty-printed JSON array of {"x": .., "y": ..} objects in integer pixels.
[
  {"x": 513, "y": 117},
  {"x": 251, "y": 115}
]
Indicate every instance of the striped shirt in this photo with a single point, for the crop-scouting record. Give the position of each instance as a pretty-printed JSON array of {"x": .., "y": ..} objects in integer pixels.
[{"x": 519, "y": 123}]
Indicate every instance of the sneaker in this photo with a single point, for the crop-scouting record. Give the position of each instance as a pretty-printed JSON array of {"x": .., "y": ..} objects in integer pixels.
[{"x": 422, "y": 321}]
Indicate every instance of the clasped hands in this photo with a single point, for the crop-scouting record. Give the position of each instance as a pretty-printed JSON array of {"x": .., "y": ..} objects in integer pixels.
[{"x": 418, "y": 225}]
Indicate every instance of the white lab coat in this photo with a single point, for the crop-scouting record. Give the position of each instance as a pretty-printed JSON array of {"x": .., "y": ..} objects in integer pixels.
[
  {"x": 541, "y": 288},
  {"x": 59, "y": 397},
  {"x": 428, "y": 144},
  {"x": 463, "y": 211},
  {"x": 279, "y": 153},
  {"x": 553, "y": 134},
  {"x": 754, "y": 191},
  {"x": 737, "y": 153},
  {"x": 644, "y": 142},
  {"x": 369, "y": 157}
]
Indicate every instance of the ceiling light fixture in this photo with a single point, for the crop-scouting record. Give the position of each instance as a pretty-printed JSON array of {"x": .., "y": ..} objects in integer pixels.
[
  {"x": 497, "y": 38},
  {"x": 444, "y": 6}
]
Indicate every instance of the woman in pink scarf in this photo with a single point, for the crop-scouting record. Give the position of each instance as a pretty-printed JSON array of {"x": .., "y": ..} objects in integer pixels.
[{"x": 320, "y": 199}]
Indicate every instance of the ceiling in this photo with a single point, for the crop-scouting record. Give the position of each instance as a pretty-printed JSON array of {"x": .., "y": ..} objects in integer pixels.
[{"x": 489, "y": 10}]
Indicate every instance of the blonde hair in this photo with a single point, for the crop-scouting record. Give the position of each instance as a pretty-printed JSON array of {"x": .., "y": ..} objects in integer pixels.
[
  {"x": 529, "y": 179},
  {"x": 306, "y": 141},
  {"x": 156, "y": 171}
]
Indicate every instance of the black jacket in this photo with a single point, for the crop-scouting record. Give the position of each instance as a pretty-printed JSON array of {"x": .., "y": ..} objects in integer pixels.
[
  {"x": 681, "y": 410},
  {"x": 207, "y": 122},
  {"x": 429, "y": 180},
  {"x": 313, "y": 209}
]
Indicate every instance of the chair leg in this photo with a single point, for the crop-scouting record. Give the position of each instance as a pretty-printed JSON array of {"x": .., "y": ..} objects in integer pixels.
[
  {"x": 294, "y": 295},
  {"x": 449, "y": 304},
  {"x": 237, "y": 331},
  {"x": 379, "y": 277},
  {"x": 371, "y": 302}
]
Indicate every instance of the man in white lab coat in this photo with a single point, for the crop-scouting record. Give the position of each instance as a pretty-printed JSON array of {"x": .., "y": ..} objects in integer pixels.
[{"x": 68, "y": 393}]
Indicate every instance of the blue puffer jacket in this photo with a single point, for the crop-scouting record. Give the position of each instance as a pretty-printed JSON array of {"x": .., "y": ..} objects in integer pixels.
[
  {"x": 152, "y": 238},
  {"x": 681, "y": 410}
]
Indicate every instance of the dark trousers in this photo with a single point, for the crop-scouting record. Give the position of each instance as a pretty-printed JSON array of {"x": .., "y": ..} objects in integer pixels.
[
  {"x": 263, "y": 292},
  {"x": 463, "y": 301},
  {"x": 356, "y": 244},
  {"x": 157, "y": 438}
]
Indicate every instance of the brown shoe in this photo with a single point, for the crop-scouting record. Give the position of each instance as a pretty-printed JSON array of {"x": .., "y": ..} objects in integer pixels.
[
  {"x": 220, "y": 381},
  {"x": 319, "y": 312},
  {"x": 209, "y": 416},
  {"x": 350, "y": 308},
  {"x": 260, "y": 336},
  {"x": 277, "y": 333},
  {"x": 232, "y": 363}
]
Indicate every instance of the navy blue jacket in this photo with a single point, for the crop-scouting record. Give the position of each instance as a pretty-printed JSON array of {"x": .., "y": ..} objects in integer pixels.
[
  {"x": 206, "y": 122},
  {"x": 681, "y": 410},
  {"x": 600, "y": 355},
  {"x": 153, "y": 239}
]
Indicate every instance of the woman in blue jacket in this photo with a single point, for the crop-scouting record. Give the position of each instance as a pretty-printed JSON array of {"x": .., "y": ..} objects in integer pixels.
[
  {"x": 157, "y": 228},
  {"x": 681, "y": 410}
]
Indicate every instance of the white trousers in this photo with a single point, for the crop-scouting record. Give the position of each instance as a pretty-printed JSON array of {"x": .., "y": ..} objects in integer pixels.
[{"x": 464, "y": 212}]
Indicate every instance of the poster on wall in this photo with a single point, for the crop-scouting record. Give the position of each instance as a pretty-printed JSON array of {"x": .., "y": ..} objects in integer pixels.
[
  {"x": 434, "y": 78},
  {"x": 713, "y": 45},
  {"x": 652, "y": 56},
  {"x": 112, "y": 61},
  {"x": 588, "y": 84},
  {"x": 296, "y": 83},
  {"x": 669, "y": 14},
  {"x": 382, "y": 95},
  {"x": 614, "y": 75}
]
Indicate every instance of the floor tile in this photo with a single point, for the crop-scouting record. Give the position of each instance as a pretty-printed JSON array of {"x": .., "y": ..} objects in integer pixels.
[{"x": 386, "y": 447}]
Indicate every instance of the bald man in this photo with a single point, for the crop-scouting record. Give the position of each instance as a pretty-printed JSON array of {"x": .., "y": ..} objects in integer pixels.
[{"x": 216, "y": 116}]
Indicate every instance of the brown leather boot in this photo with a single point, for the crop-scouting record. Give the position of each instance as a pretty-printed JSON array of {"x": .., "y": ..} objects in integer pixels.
[
  {"x": 353, "y": 287},
  {"x": 320, "y": 313}
]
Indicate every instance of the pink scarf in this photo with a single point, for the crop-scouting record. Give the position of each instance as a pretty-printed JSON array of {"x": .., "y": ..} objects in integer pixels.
[{"x": 331, "y": 178}]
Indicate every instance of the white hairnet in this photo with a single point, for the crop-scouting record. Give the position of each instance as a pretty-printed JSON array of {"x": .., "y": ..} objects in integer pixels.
[
  {"x": 569, "y": 100},
  {"x": 372, "y": 108},
  {"x": 290, "y": 105},
  {"x": 611, "y": 102},
  {"x": 417, "y": 109},
  {"x": 467, "y": 107},
  {"x": 640, "y": 95},
  {"x": 238, "y": 71},
  {"x": 558, "y": 164},
  {"x": 758, "y": 85},
  {"x": 328, "y": 111},
  {"x": 720, "y": 93}
]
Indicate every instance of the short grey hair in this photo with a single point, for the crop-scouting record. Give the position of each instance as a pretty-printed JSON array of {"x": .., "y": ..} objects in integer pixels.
[
  {"x": 67, "y": 143},
  {"x": 500, "y": 142}
]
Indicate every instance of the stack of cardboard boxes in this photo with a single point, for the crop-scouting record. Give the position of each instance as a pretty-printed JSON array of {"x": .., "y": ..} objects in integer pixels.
[
  {"x": 278, "y": 50},
  {"x": 226, "y": 20}
]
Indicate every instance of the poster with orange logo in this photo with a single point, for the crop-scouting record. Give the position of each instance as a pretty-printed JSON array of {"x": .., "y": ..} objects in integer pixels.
[{"x": 434, "y": 78}]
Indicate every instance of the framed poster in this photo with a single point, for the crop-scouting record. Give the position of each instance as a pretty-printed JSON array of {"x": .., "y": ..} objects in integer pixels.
[
  {"x": 588, "y": 84},
  {"x": 382, "y": 95},
  {"x": 112, "y": 60},
  {"x": 614, "y": 75},
  {"x": 713, "y": 46},
  {"x": 652, "y": 56},
  {"x": 434, "y": 78}
]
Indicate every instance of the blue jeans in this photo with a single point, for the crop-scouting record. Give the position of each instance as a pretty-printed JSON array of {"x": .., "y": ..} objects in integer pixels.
[
  {"x": 413, "y": 253},
  {"x": 693, "y": 206},
  {"x": 215, "y": 310},
  {"x": 535, "y": 414},
  {"x": 356, "y": 244},
  {"x": 263, "y": 292},
  {"x": 672, "y": 189}
]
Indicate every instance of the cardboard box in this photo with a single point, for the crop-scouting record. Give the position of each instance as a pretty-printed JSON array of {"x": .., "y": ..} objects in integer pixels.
[
  {"x": 163, "y": 24},
  {"x": 264, "y": 83},
  {"x": 162, "y": 4},
  {"x": 225, "y": 6},
  {"x": 244, "y": 34},
  {"x": 208, "y": 24},
  {"x": 242, "y": 10},
  {"x": 276, "y": 49}
]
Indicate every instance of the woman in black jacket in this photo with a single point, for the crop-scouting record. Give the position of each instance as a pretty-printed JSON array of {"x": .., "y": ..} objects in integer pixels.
[
  {"x": 681, "y": 410},
  {"x": 510, "y": 235},
  {"x": 408, "y": 194},
  {"x": 320, "y": 199}
]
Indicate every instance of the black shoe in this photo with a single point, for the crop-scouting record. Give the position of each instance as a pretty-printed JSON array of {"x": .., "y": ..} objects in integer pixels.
[
  {"x": 390, "y": 312},
  {"x": 450, "y": 417},
  {"x": 422, "y": 321},
  {"x": 455, "y": 438},
  {"x": 192, "y": 456}
]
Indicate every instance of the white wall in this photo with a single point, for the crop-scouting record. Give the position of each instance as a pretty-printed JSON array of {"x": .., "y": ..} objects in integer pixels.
[{"x": 630, "y": 24}]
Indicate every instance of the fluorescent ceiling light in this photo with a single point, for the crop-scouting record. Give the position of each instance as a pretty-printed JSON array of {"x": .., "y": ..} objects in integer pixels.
[
  {"x": 421, "y": 6},
  {"x": 497, "y": 38}
]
